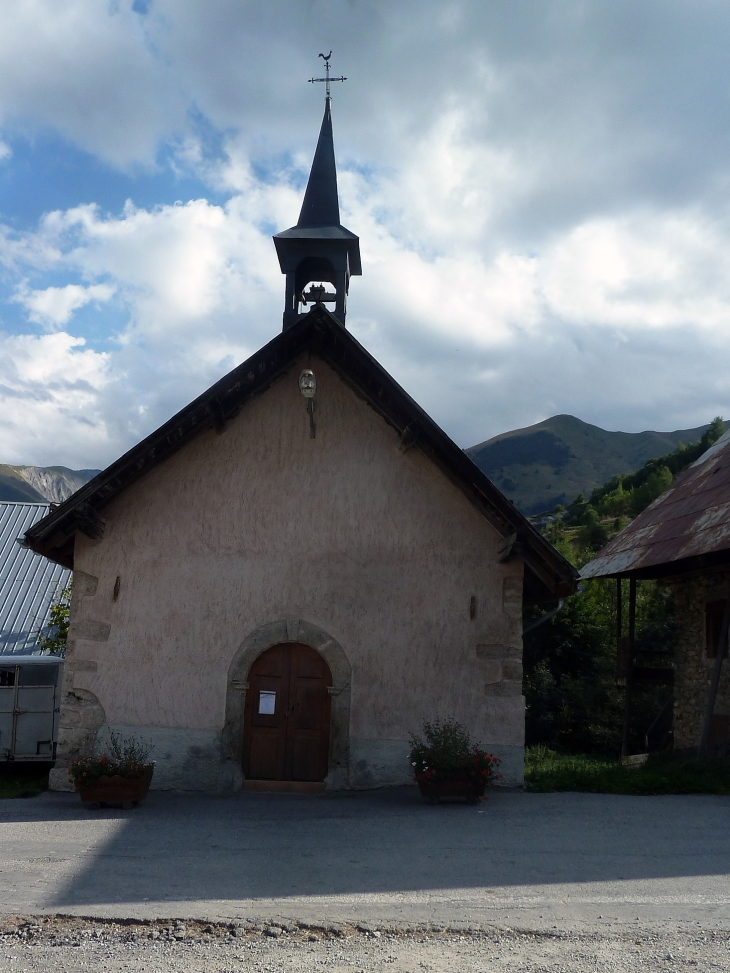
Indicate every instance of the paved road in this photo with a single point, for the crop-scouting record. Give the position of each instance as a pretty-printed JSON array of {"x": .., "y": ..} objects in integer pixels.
[{"x": 575, "y": 862}]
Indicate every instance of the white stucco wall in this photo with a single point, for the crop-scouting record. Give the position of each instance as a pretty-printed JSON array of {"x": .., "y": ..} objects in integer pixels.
[{"x": 261, "y": 523}]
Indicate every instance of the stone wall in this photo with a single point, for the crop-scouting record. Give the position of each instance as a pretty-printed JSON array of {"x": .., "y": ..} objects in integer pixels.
[{"x": 693, "y": 669}]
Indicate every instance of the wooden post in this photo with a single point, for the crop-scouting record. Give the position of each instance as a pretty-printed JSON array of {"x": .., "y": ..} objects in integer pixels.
[
  {"x": 629, "y": 666},
  {"x": 715, "y": 681},
  {"x": 620, "y": 672}
]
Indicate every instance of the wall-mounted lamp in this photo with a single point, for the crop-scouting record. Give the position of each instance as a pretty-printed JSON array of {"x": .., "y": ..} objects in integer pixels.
[{"x": 308, "y": 386}]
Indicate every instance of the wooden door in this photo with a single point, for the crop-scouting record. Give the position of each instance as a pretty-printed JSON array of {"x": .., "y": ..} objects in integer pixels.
[{"x": 287, "y": 721}]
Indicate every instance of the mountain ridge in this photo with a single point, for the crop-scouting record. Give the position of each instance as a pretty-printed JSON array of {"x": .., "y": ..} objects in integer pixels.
[
  {"x": 41, "y": 484},
  {"x": 552, "y": 461}
]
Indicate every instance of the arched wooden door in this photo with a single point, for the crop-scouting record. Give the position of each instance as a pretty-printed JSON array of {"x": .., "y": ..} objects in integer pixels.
[{"x": 287, "y": 721}]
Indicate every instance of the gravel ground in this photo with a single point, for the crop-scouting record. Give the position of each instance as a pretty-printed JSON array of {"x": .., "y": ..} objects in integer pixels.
[{"x": 55, "y": 943}]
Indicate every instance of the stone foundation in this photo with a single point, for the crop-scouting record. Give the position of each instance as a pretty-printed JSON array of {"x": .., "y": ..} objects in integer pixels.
[
  {"x": 193, "y": 760},
  {"x": 693, "y": 668}
]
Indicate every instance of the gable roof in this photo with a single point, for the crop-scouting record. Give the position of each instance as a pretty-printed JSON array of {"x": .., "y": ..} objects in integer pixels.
[
  {"x": 548, "y": 574},
  {"x": 28, "y": 583},
  {"x": 686, "y": 528}
]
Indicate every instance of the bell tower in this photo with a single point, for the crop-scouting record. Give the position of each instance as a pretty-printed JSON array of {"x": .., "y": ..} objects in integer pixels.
[{"x": 319, "y": 250}]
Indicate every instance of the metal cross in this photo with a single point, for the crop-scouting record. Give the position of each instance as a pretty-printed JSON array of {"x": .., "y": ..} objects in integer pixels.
[{"x": 326, "y": 78}]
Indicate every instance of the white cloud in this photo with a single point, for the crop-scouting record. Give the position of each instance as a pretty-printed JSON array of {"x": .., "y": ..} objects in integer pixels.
[
  {"x": 176, "y": 267},
  {"x": 203, "y": 290},
  {"x": 90, "y": 71},
  {"x": 55, "y": 305},
  {"x": 49, "y": 398},
  {"x": 540, "y": 204},
  {"x": 643, "y": 271}
]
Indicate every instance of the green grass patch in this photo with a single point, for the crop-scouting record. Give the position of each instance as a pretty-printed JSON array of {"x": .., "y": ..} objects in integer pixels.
[
  {"x": 23, "y": 780},
  {"x": 663, "y": 773}
]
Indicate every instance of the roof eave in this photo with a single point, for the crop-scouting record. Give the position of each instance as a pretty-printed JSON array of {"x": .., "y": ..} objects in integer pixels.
[
  {"x": 321, "y": 235},
  {"x": 643, "y": 571}
]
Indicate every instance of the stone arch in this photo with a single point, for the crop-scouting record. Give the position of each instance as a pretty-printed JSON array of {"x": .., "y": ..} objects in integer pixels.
[
  {"x": 81, "y": 717},
  {"x": 295, "y": 630}
]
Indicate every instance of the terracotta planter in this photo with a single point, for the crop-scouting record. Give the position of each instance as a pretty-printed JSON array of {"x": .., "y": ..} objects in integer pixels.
[
  {"x": 434, "y": 791},
  {"x": 127, "y": 791}
]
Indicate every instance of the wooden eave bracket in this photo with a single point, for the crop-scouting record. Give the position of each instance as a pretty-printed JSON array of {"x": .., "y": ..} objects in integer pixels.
[
  {"x": 511, "y": 547},
  {"x": 508, "y": 548},
  {"x": 409, "y": 436},
  {"x": 217, "y": 414},
  {"x": 89, "y": 522},
  {"x": 84, "y": 518}
]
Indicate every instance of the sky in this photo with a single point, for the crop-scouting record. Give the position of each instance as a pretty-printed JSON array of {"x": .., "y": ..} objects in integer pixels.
[{"x": 540, "y": 188}]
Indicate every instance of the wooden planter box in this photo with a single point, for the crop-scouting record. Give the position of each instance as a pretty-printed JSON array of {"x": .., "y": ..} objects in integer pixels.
[
  {"x": 433, "y": 792},
  {"x": 127, "y": 791}
]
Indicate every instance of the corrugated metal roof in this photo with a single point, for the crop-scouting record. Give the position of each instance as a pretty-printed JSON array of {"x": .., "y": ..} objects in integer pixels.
[
  {"x": 688, "y": 523},
  {"x": 28, "y": 583}
]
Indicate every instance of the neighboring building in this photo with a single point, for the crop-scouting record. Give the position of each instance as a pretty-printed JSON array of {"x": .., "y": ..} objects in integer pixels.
[
  {"x": 299, "y": 568},
  {"x": 29, "y": 584},
  {"x": 30, "y": 696},
  {"x": 683, "y": 540}
]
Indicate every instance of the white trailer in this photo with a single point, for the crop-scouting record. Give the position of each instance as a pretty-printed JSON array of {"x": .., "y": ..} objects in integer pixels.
[{"x": 30, "y": 701}]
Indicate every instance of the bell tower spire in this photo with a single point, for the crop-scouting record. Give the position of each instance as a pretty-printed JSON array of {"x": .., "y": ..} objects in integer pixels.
[
  {"x": 321, "y": 207},
  {"x": 319, "y": 249}
]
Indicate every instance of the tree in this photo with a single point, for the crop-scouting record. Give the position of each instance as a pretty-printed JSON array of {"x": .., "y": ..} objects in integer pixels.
[
  {"x": 592, "y": 535},
  {"x": 573, "y": 701},
  {"x": 657, "y": 482},
  {"x": 52, "y": 637}
]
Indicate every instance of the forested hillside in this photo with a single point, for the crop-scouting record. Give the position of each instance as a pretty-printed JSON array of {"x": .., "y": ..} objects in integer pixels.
[
  {"x": 587, "y": 525},
  {"x": 555, "y": 460}
]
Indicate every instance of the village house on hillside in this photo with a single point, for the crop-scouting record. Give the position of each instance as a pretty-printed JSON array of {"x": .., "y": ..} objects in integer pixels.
[
  {"x": 683, "y": 540},
  {"x": 299, "y": 568}
]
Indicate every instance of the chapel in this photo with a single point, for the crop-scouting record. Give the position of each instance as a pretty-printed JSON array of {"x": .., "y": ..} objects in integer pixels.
[{"x": 282, "y": 582}]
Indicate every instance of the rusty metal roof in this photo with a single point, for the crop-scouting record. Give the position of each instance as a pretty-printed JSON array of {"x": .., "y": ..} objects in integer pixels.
[
  {"x": 28, "y": 583},
  {"x": 686, "y": 528}
]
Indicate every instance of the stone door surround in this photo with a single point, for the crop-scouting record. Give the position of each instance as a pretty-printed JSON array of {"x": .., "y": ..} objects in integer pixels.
[{"x": 293, "y": 630}]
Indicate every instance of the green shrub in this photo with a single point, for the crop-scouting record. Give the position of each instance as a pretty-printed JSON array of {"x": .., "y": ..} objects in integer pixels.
[
  {"x": 123, "y": 757},
  {"x": 52, "y": 637},
  {"x": 449, "y": 754},
  {"x": 28, "y": 781},
  {"x": 663, "y": 773}
]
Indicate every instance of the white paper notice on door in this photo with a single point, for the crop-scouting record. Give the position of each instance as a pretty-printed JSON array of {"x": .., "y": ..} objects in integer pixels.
[{"x": 267, "y": 703}]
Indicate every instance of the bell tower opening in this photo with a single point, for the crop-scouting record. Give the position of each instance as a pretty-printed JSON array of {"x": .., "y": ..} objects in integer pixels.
[{"x": 314, "y": 279}]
